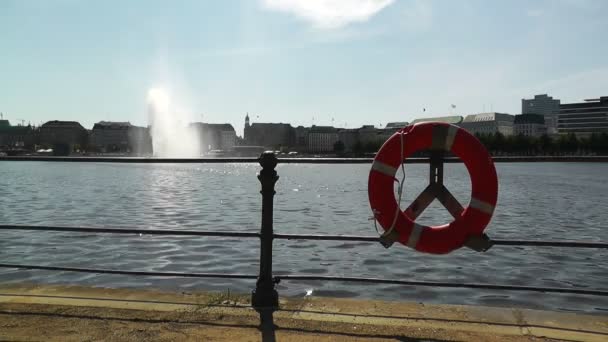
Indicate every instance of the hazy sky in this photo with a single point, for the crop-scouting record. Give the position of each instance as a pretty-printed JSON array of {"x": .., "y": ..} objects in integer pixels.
[{"x": 356, "y": 61}]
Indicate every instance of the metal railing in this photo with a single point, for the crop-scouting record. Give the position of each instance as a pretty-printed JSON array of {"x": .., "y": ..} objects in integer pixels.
[
  {"x": 296, "y": 160},
  {"x": 265, "y": 295}
]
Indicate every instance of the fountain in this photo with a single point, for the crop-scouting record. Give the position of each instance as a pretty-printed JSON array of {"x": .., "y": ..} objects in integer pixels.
[{"x": 172, "y": 137}]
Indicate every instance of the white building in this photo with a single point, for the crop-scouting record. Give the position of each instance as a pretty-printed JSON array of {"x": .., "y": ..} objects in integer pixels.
[
  {"x": 454, "y": 119},
  {"x": 322, "y": 139},
  {"x": 489, "y": 123}
]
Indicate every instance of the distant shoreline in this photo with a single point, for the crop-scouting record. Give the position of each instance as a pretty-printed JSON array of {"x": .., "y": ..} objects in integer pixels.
[{"x": 298, "y": 160}]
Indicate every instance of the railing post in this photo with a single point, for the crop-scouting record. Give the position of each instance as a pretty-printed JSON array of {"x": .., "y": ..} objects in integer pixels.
[{"x": 265, "y": 295}]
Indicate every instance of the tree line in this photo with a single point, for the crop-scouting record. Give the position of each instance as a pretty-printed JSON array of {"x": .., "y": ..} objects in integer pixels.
[
  {"x": 563, "y": 144},
  {"x": 519, "y": 145}
]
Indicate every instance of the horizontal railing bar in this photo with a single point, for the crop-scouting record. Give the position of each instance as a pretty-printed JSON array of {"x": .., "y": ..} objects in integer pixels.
[
  {"x": 539, "y": 243},
  {"x": 310, "y": 277},
  {"x": 443, "y": 284},
  {"x": 137, "y": 273},
  {"x": 518, "y": 159},
  {"x": 143, "y": 160},
  {"x": 324, "y": 237},
  {"x": 536, "y": 243},
  {"x": 132, "y": 231}
]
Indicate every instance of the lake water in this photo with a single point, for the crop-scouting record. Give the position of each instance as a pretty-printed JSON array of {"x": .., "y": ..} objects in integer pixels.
[{"x": 557, "y": 201}]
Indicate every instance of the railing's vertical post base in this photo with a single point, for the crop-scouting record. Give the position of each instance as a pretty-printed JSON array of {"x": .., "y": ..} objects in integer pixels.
[
  {"x": 265, "y": 295},
  {"x": 265, "y": 299}
]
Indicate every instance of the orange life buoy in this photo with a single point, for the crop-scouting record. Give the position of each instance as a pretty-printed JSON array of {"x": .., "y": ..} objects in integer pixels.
[{"x": 433, "y": 136}]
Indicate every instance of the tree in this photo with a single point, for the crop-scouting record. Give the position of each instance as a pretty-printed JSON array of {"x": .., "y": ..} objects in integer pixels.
[
  {"x": 499, "y": 142},
  {"x": 339, "y": 147},
  {"x": 571, "y": 143},
  {"x": 372, "y": 147},
  {"x": 358, "y": 147},
  {"x": 567, "y": 143},
  {"x": 603, "y": 144},
  {"x": 546, "y": 144}
]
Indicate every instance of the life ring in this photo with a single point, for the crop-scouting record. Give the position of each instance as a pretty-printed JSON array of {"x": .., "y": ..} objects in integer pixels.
[{"x": 433, "y": 136}]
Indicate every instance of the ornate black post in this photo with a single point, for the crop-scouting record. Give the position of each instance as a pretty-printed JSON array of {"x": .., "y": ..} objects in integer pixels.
[{"x": 265, "y": 295}]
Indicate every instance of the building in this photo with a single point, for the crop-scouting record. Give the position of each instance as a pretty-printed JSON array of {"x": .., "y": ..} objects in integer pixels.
[
  {"x": 367, "y": 137},
  {"x": 385, "y": 133},
  {"x": 270, "y": 135},
  {"x": 301, "y": 135},
  {"x": 454, "y": 119},
  {"x": 530, "y": 125},
  {"x": 140, "y": 140},
  {"x": 544, "y": 105},
  {"x": 370, "y": 135},
  {"x": 64, "y": 137},
  {"x": 215, "y": 136},
  {"x": 228, "y": 138},
  {"x": 489, "y": 123},
  {"x": 349, "y": 137},
  {"x": 120, "y": 137},
  {"x": 321, "y": 139},
  {"x": 107, "y": 136},
  {"x": 16, "y": 137},
  {"x": 584, "y": 118},
  {"x": 396, "y": 125}
]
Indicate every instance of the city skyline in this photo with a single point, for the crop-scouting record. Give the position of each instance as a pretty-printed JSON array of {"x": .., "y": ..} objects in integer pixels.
[
  {"x": 526, "y": 108},
  {"x": 555, "y": 127},
  {"x": 356, "y": 62}
]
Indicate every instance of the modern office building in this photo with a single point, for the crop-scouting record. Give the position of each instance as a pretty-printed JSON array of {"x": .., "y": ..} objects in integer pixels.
[
  {"x": 584, "y": 118},
  {"x": 544, "y": 105}
]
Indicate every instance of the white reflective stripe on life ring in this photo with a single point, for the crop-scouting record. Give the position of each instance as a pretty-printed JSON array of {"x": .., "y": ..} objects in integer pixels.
[
  {"x": 449, "y": 140},
  {"x": 412, "y": 241},
  {"x": 481, "y": 206},
  {"x": 384, "y": 168}
]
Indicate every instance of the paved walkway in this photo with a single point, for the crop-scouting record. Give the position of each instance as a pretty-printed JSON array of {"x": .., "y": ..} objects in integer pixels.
[{"x": 56, "y": 313}]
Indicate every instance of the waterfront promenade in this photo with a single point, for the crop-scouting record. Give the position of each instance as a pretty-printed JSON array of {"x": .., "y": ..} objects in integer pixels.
[{"x": 57, "y": 313}]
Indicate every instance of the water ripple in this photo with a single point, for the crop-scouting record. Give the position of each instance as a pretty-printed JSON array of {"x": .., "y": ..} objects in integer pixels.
[{"x": 536, "y": 201}]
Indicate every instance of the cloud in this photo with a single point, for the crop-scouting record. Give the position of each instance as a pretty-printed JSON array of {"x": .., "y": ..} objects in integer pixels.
[{"x": 329, "y": 14}]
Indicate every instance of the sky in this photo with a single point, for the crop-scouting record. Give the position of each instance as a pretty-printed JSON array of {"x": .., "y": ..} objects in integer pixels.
[{"x": 326, "y": 62}]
